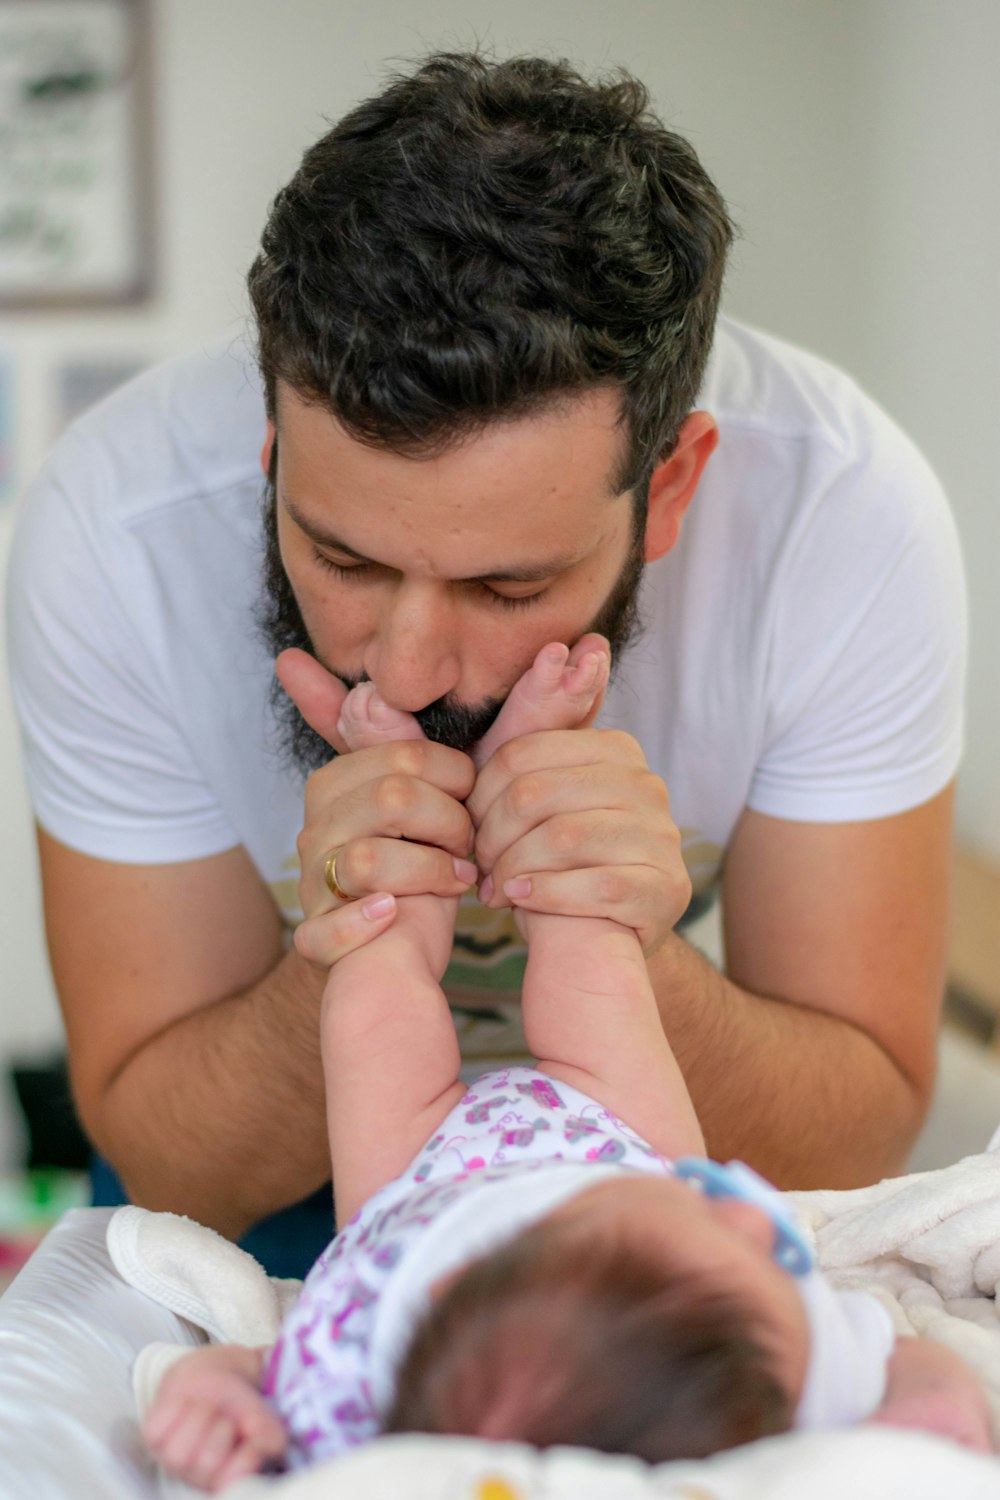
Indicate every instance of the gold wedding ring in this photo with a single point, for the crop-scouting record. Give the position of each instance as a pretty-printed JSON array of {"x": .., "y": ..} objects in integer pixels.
[{"x": 330, "y": 876}]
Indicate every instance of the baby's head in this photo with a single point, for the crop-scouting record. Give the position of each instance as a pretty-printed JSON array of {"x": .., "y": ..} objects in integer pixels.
[{"x": 639, "y": 1317}]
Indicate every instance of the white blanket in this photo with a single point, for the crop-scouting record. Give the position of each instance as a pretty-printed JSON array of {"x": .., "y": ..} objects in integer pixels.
[{"x": 927, "y": 1245}]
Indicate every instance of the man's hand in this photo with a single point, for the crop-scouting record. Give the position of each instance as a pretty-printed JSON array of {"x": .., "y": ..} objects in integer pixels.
[
  {"x": 573, "y": 822},
  {"x": 393, "y": 814}
]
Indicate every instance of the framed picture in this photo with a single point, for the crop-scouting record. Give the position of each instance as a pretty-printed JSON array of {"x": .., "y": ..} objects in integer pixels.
[{"x": 75, "y": 153}]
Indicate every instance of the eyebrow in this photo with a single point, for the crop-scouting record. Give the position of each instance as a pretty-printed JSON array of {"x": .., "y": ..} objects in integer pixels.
[{"x": 528, "y": 573}]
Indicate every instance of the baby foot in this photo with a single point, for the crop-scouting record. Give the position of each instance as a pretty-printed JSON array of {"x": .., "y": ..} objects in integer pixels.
[
  {"x": 366, "y": 719},
  {"x": 558, "y": 691}
]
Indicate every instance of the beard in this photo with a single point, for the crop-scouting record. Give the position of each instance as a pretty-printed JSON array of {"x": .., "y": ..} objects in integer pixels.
[{"x": 447, "y": 721}]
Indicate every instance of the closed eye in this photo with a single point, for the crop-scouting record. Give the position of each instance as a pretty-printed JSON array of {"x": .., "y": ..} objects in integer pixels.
[
  {"x": 511, "y": 601},
  {"x": 359, "y": 572},
  {"x": 354, "y": 570}
]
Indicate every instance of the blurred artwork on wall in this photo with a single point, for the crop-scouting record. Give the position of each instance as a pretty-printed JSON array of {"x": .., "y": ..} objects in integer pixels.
[{"x": 75, "y": 153}]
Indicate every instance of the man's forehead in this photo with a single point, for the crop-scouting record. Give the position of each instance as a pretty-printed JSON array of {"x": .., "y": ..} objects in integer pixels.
[
  {"x": 518, "y": 501},
  {"x": 573, "y": 423},
  {"x": 516, "y": 561}
]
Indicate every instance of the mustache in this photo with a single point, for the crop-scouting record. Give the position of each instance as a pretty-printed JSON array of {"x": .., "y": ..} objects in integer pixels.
[{"x": 447, "y": 721}]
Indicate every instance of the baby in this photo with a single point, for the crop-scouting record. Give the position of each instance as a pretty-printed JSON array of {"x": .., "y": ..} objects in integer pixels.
[{"x": 518, "y": 1262}]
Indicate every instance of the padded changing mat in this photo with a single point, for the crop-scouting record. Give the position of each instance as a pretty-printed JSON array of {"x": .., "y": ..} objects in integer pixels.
[{"x": 70, "y": 1330}]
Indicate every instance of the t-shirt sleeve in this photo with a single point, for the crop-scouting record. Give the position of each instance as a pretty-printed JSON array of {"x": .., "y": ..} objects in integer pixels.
[
  {"x": 851, "y": 1340},
  {"x": 866, "y": 649},
  {"x": 108, "y": 767}
]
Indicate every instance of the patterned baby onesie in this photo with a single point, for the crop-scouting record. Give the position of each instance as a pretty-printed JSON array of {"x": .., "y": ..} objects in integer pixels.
[{"x": 515, "y": 1147}]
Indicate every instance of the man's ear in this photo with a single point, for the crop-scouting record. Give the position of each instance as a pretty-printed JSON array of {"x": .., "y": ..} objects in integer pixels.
[
  {"x": 268, "y": 448},
  {"x": 674, "y": 481}
]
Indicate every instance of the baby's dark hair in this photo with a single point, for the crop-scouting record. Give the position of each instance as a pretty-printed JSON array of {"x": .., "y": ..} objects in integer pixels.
[{"x": 554, "y": 1339}]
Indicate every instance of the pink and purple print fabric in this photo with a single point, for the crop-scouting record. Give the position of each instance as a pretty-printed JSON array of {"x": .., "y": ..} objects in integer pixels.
[{"x": 510, "y": 1121}]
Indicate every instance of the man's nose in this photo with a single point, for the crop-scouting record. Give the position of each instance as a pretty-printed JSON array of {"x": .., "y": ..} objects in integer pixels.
[{"x": 413, "y": 659}]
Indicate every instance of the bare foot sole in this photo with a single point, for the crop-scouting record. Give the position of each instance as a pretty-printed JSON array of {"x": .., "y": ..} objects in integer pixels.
[{"x": 560, "y": 690}]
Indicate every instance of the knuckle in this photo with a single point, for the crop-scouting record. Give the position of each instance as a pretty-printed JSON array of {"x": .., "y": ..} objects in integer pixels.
[
  {"x": 649, "y": 789},
  {"x": 316, "y": 788},
  {"x": 303, "y": 941},
  {"x": 625, "y": 746},
  {"x": 408, "y": 757},
  {"x": 524, "y": 795},
  {"x": 566, "y": 834},
  {"x": 394, "y": 794},
  {"x": 356, "y": 872},
  {"x": 513, "y": 757},
  {"x": 613, "y": 886}
]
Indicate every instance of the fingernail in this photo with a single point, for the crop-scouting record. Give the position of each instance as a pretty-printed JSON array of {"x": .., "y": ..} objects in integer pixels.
[
  {"x": 519, "y": 886},
  {"x": 486, "y": 889},
  {"x": 377, "y": 907},
  {"x": 466, "y": 871}
]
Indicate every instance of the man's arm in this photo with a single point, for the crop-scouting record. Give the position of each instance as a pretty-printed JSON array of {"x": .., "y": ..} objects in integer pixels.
[
  {"x": 814, "y": 1059},
  {"x": 193, "y": 1036}
]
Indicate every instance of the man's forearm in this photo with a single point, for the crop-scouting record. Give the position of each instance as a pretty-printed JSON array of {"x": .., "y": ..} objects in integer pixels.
[
  {"x": 804, "y": 1097},
  {"x": 221, "y": 1116}
]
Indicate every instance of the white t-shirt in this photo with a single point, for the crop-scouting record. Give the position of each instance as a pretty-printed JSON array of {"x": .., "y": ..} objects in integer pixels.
[{"x": 804, "y": 650}]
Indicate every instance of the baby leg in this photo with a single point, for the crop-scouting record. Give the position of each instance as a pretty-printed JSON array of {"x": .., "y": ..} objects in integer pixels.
[
  {"x": 421, "y": 935},
  {"x": 590, "y": 1014},
  {"x": 559, "y": 691},
  {"x": 390, "y": 1055}
]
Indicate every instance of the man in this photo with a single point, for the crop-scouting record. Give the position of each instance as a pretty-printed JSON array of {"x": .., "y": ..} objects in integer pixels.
[{"x": 485, "y": 307}]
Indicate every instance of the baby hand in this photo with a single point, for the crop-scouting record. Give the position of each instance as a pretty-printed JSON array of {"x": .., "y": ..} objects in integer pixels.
[
  {"x": 209, "y": 1425},
  {"x": 931, "y": 1389}
]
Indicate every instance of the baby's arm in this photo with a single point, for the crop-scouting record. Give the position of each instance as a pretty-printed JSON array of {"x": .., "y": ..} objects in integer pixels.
[
  {"x": 208, "y": 1423},
  {"x": 931, "y": 1388}
]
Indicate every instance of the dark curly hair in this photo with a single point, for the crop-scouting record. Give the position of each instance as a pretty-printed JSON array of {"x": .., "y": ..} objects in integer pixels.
[{"x": 483, "y": 237}]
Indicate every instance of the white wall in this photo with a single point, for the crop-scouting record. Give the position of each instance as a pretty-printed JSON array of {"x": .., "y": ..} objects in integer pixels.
[{"x": 855, "y": 139}]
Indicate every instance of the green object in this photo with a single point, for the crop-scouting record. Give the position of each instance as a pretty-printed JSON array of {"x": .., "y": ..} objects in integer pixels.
[{"x": 31, "y": 1202}]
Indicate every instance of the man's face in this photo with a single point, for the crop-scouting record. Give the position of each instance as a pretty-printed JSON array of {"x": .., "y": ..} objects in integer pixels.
[{"x": 440, "y": 578}]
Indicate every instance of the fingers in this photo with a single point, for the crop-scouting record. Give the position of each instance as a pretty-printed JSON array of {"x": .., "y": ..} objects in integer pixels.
[
  {"x": 317, "y": 694},
  {"x": 326, "y": 939},
  {"x": 550, "y": 750},
  {"x": 394, "y": 832},
  {"x": 196, "y": 1442},
  {"x": 632, "y": 796},
  {"x": 632, "y": 895},
  {"x": 209, "y": 1425},
  {"x": 440, "y": 766},
  {"x": 583, "y": 828},
  {"x": 591, "y": 875}
]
